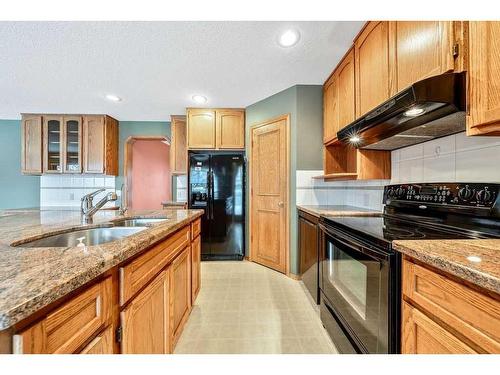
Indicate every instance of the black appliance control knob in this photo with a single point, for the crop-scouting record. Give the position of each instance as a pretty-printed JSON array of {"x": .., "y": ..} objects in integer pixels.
[
  {"x": 484, "y": 196},
  {"x": 465, "y": 193},
  {"x": 390, "y": 193},
  {"x": 400, "y": 192}
]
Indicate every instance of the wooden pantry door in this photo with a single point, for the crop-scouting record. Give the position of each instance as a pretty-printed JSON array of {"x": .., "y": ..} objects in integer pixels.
[{"x": 269, "y": 186}]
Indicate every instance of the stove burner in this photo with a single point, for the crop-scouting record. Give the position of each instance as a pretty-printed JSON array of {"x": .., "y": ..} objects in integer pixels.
[{"x": 403, "y": 233}]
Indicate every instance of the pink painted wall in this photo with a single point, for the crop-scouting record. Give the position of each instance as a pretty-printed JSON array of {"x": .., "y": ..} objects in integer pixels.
[{"x": 151, "y": 177}]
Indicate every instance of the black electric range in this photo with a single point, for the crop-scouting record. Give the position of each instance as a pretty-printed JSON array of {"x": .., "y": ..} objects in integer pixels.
[{"x": 360, "y": 273}]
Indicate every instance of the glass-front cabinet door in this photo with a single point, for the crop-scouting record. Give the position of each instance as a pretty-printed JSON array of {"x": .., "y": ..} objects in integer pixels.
[
  {"x": 53, "y": 137},
  {"x": 72, "y": 144}
]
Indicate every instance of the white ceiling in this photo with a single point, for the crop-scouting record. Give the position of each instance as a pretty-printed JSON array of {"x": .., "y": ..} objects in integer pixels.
[{"x": 156, "y": 67}]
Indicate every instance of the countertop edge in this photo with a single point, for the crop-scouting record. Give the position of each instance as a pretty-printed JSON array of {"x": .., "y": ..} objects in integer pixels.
[
  {"x": 22, "y": 311},
  {"x": 480, "y": 279}
]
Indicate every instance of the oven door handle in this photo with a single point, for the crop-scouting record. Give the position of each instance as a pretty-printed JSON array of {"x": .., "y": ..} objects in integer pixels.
[{"x": 355, "y": 245}]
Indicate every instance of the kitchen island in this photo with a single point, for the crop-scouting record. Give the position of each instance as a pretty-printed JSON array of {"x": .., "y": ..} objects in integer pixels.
[{"x": 63, "y": 299}]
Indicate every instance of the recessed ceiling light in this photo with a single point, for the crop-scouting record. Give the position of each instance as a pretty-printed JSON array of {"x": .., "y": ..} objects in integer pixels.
[
  {"x": 289, "y": 38},
  {"x": 200, "y": 99},
  {"x": 414, "y": 112},
  {"x": 113, "y": 98}
]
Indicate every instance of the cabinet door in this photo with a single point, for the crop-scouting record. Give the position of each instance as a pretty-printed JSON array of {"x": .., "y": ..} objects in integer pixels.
[
  {"x": 230, "y": 130},
  {"x": 72, "y": 153},
  {"x": 421, "y": 49},
  {"x": 484, "y": 78},
  {"x": 53, "y": 138},
  {"x": 178, "y": 147},
  {"x": 195, "y": 268},
  {"x": 421, "y": 335},
  {"x": 31, "y": 153},
  {"x": 102, "y": 344},
  {"x": 345, "y": 92},
  {"x": 372, "y": 67},
  {"x": 145, "y": 321},
  {"x": 201, "y": 129},
  {"x": 93, "y": 144},
  {"x": 330, "y": 112},
  {"x": 68, "y": 327},
  {"x": 308, "y": 248},
  {"x": 180, "y": 293}
]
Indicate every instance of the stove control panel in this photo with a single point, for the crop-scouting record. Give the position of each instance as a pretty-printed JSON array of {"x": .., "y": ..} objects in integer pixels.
[{"x": 457, "y": 194}]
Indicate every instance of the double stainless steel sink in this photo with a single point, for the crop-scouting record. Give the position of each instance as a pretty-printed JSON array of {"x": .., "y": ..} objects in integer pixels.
[{"x": 113, "y": 231}]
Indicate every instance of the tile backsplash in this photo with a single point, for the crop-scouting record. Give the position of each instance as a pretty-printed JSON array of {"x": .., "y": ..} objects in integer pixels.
[
  {"x": 455, "y": 158},
  {"x": 311, "y": 191},
  {"x": 67, "y": 190},
  {"x": 181, "y": 183}
]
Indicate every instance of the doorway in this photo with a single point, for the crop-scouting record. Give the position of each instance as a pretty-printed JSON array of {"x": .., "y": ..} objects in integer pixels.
[
  {"x": 269, "y": 193},
  {"x": 147, "y": 172}
]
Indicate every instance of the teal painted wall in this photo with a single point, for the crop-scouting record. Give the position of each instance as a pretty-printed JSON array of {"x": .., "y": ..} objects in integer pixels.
[
  {"x": 304, "y": 104},
  {"x": 16, "y": 190}
]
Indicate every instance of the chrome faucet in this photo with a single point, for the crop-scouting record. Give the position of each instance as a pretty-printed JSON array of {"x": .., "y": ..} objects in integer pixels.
[
  {"x": 123, "y": 206},
  {"x": 87, "y": 207}
]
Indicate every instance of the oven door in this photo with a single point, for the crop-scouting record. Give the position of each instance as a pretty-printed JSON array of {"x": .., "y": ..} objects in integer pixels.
[{"x": 354, "y": 280}]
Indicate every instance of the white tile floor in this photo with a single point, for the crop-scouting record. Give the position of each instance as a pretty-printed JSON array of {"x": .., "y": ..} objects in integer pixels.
[{"x": 247, "y": 308}]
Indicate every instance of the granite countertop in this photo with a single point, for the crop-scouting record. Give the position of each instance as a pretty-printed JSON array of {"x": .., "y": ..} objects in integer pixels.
[
  {"x": 339, "y": 210},
  {"x": 476, "y": 261},
  {"x": 32, "y": 278}
]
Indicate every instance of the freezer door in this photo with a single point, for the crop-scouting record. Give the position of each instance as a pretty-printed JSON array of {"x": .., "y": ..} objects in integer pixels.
[
  {"x": 198, "y": 194},
  {"x": 227, "y": 206}
]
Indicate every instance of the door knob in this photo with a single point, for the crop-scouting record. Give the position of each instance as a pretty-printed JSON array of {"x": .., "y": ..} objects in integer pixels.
[{"x": 281, "y": 204}]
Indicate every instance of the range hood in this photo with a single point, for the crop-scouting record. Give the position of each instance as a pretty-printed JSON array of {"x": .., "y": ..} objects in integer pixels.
[{"x": 431, "y": 108}]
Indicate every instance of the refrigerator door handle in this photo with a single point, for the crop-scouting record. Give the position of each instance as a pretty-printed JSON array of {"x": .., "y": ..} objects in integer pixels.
[{"x": 211, "y": 191}]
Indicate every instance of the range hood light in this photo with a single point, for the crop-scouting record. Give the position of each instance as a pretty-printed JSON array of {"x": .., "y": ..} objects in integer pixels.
[
  {"x": 355, "y": 139},
  {"x": 414, "y": 112}
]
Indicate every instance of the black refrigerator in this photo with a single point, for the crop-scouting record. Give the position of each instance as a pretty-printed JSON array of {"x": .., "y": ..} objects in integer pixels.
[{"x": 216, "y": 183}]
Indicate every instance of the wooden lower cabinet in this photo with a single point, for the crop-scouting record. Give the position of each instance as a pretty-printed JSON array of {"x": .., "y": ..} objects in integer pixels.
[
  {"x": 443, "y": 315},
  {"x": 68, "y": 327},
  {"x": 102, "y": 344},
  {"x": 309, "y": 252},
  {"x": 145, "y": 321},
  {"x": 140, "y": 307},
  {"x": 421, "y": 335},
  {"x": 195, "y": 268},
  {"x": 180, "y": 293}
]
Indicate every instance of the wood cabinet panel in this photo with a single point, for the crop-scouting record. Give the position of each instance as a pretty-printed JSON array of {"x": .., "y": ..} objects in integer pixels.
[
  {"x": 72, "y": 144},
  {"x": 93, "y": 139},
  {"x": 178, "y": 146},
  {"x": 421, "y": 335},
  {"x": 195, "y": 268},
  {"x": 373, "y": 85},
  {"x": 484, "y": 78},
  {"x": 31, "y": 147},
  {"x": 136, "y": 274},
  {"x": 68, "y": 327},
  {"x": 201, "y": 125},
  {"x": 102, "y": 344},
  {"x": 145, "y": 321},
  {"x": 180, "y": 293},
  {"x": 330, "y": 111},
  {"x": 53, "y": 136},
  {"x": 195, "y": 228},
  {"x": 230, "y": 130},
  {"x": 473, "y": 315},
  {"x": 420, "y": 49}
]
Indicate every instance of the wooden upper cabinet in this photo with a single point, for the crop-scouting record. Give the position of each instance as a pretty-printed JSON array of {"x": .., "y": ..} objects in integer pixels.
[
  {"x": 345, "y": 91},
  {"x": 201, "y": 128},
  {"x": 53, "y": 138},
  {"x": 371, "y": 51},
  {"x": 330, "y": 112},
  {"x": 145, "y": 321},
  {"x": 214, "y": 129},
  {"x": 230, "y": 129},
  {"x": 484, "y": 78},
  {"x": 72, "y": 144},
  {"x": 420, "y": 49},
  {"x": 100, "y": 144},
  {"x": 31, "y": 147},
  {"x": 178, "y": 145}
]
